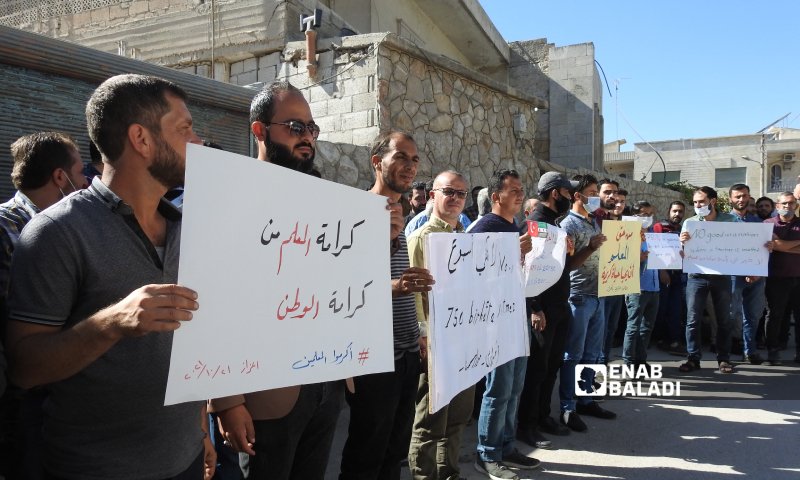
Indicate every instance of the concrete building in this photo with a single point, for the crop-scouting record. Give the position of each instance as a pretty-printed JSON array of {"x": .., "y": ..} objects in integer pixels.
[
  {"x": 767, "y": 162},
  {"x": 441, "y": 69}
]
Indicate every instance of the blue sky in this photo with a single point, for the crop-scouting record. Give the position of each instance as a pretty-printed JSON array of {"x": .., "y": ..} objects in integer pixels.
[{"x": 700, "y": 68}]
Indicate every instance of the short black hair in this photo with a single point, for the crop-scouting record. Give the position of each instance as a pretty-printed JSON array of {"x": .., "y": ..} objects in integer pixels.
[
  {"x": 262, "y": 108},
  {"x": 498, "y": 177},
  {"x": 418, "y": 186},
  {"x": 708, "y": 191},
  {"x": 622, "y": 192},
  {"x": 771, "y": 202},
  {"x": 638, "y": 206},
  {"x": 677, "y": 202},
  {"x": 38, "y": 155},
  {"x": 476, "y": 189},
  {"x": 607, "y": 181},
  {"x": 380, "y": 146},
  {"x": 583, "y": 182},
  {"x": 738, "y": 188},
  {"x": 212, "y": 144},
  {"x": 125, "y": 100}
]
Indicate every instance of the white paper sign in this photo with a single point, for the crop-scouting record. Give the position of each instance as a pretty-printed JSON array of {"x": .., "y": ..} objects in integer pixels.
[
  {"x": 545, "y": 263},
  {"x": 292, "y": 290},
  {"x": 665, "y": 251},
  {"x": 725, "y": 248},
  {"x": 477, "y": 309}
]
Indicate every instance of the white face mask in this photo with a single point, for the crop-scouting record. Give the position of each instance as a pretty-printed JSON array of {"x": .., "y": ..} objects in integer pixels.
[
  {"x": 647, "y": 222},
  {"x": 703, "y": 211},
  {"x": 71, "y": 184}
]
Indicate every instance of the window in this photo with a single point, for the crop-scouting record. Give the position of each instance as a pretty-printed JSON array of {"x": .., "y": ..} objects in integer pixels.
[
  {"x": 775, "y": 174},
  {"x": 660, "y": 178},
  {"x": 726, "y": 177}
]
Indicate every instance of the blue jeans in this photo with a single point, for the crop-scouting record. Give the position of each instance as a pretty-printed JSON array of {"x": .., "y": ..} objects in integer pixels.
[
  {"x": 697, "y": 289},
  {"x": 499, "y": 410},
  {"x": 612, "y": 307},
  {"x": 642, "y": 311},
  {"x": 747, "y": 306},
  {"x": 584, "y": 345}
]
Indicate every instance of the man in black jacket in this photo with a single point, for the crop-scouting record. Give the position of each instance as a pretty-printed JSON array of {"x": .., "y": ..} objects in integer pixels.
[{"x": 549, "y": 314}]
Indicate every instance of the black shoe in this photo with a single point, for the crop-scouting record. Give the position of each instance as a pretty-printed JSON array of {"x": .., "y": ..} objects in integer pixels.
[
  {"x": 517, "y": 460},
  {"x": 573, "y": 421},
  {"x": 594, "y": 410},
  {"x": 532, "y": 437},
  {"x": 775, "y": 362},
  {"x": 551, "y": 426},
  {"x": 753, "y": 358}
]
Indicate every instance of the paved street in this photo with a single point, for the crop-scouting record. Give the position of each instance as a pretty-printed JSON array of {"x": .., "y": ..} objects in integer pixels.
[{"x": 747, "y": 423}]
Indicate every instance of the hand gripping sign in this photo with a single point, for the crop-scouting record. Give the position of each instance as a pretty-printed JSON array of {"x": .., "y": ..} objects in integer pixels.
[
  {"x": 291, "y": 290},
  {"x": 477, "y": 309}
]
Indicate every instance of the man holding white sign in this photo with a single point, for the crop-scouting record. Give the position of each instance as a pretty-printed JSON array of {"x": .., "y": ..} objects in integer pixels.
[{"x": 436, "y": 438}]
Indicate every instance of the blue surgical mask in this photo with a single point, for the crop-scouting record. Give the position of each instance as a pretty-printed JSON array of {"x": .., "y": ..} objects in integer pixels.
[
  {"x": 785, "y": 213},
  {"x": 703, "y": 211},
  {"x": 592, "y": 203}
]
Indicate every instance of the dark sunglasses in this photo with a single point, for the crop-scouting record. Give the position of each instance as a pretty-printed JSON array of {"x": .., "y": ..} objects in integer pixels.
[
  {"x": 449, "y": 192},
  {"x": 297, "y": 128}
]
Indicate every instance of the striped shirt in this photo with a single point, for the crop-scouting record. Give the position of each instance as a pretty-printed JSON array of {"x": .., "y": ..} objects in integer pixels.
[
  {"x": 406, "y": 329},
  {"x": 14, "y": 214}
]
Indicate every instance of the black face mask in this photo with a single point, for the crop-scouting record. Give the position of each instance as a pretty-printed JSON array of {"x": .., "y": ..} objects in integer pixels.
[{"x": 562, "y": 205}]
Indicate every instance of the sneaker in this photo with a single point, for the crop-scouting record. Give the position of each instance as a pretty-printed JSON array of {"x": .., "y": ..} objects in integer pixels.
[
  {"x": 551, "y": 426},
  {"x": 573, "y": 421},
  {"x": 594, "y": 410},
  {"x": 678, "y": 349},
  {"x": 517, "y": 460},
  {"x": 495, "y": 470},
  {"x": 532, "y": 437},
  {"x": 753, "y": 358}
]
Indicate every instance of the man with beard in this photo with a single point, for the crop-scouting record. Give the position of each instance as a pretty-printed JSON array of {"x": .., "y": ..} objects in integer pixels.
[
  {"x": 765, "y": 208},
  {"x": 104, "y": 360},
  {"x": 669, "y": 322},
  {"x": 286, "y": 433},
  {"x": 608, "y": 190},
  {"x": 549, "y": 313},
  {"x": 382, "y": 406}
]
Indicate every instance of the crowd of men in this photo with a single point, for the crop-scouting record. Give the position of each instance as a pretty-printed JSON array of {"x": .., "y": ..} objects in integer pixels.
[{"x": 89, "y": 296}]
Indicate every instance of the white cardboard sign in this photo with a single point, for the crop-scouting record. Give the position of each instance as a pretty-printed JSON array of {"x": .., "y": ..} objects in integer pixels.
[
  {"x": 665, "y": 251},
  {"x": 292, "y": 290},
  {"x": 477, "y": 309},
  {"x": 544, "y": 264},
  {"x": 726, "y": 248}
]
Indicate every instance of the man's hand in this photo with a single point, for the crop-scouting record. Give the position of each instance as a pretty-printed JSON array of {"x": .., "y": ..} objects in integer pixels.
[
  {"x": 236, "y": 427},
  {"x": 643, "y": 256},
  {"x": 663, "y": 276},
  {"x": 525, "y": 244},
  {"x": 597, "y": 241},
  {"x": 770, "y": 246},
  {"x": 751, "y": 279},
  {"x": 413, "y": 280},
  {"x": 538, "y": 322},
  {"x": 423, "y": 348},
  {"x": 685, "y": 237},
  {"x": 570, "y": 245},
  {"x": 396, "y": 218},
  {"x": 152, "y": 308},
  {"x": 209, "y": 459}
]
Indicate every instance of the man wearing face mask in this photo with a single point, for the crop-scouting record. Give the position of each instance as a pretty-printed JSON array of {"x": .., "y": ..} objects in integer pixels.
[
  {"x": 549, "y": 313},
  {"x": 47, "y": 167},
  {"x": 643, "y": 306},
  {"x": 747, "y": 297},
  {"x": 783, "y": 283},
  {"x": 700, "y": 285}
]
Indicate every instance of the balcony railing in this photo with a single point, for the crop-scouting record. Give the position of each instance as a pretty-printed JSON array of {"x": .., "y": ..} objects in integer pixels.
[{"x": 782, "y": 185}]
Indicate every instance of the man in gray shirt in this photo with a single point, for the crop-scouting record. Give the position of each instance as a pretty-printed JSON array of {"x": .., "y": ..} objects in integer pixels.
[{"x": 106, "y": 366}]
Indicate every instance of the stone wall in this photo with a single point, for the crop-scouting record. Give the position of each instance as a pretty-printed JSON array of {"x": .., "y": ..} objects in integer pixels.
[{"x": 529, "y": 71}]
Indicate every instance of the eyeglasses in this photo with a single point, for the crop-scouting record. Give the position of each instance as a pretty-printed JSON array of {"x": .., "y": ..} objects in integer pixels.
[
  {"x": 787, "y": 204},
  {"x": 297, "y": 128},
  {"x": 449, "y": 192}
]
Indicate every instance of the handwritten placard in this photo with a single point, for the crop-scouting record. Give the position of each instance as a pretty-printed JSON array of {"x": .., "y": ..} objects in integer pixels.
[
  {"x": 665, "y": 251},
  {"x": 291, "y": 291},
  {"x": 544, "y": 264},
  {"x": 619, "y": 258},
  {"x": 477, "y": 309},
  {"x": 725, "y": 248}
]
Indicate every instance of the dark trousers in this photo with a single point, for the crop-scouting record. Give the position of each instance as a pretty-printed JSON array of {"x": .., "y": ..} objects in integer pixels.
[
  {"x": 669, "y": 322},
  {"x": 783, "y": 297},
  {"x": 381, "y": 418},
  {"x": 297, "y": 446},
  {"x": 227, "y": 459},
  {"x": 195, "y": 471},
  {"x": 543, "y": 366}
]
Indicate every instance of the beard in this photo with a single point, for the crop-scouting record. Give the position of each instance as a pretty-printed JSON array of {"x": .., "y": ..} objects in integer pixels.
[
  {"x": 167, "y": 168},
  {"x": 280, "y": 154},
  {"x": 609, "y": 205},
  {"x": 393, "y": 184}
]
